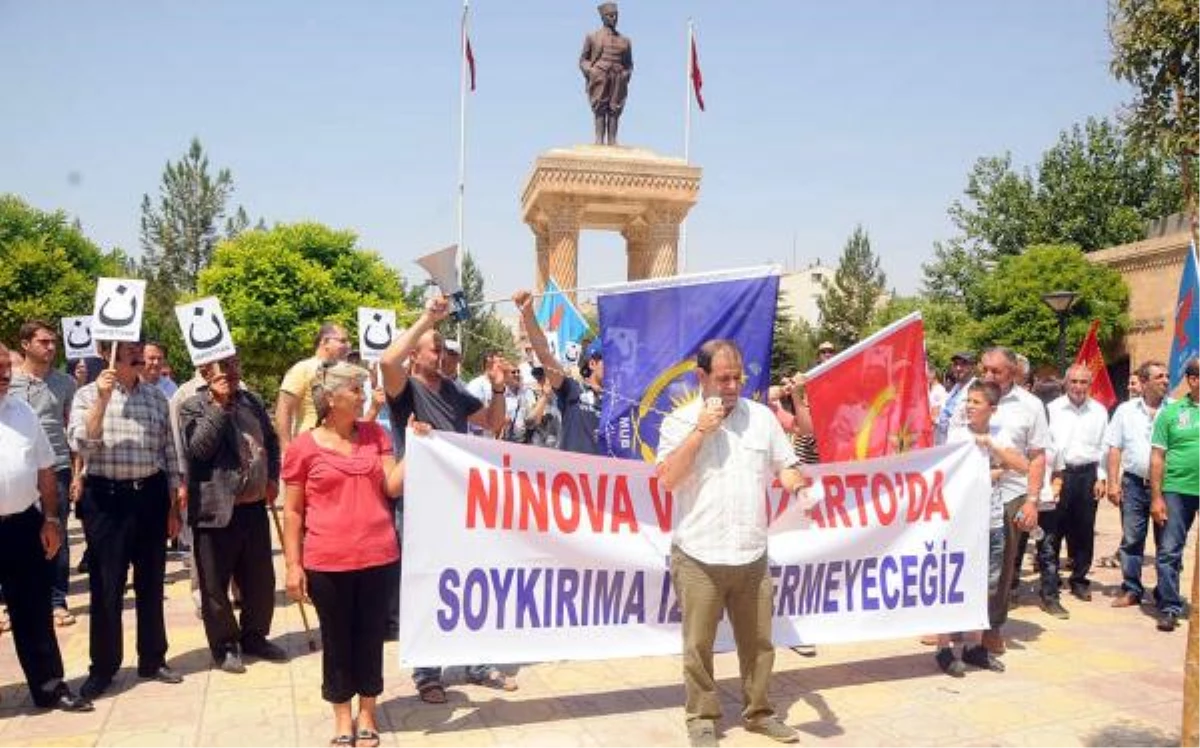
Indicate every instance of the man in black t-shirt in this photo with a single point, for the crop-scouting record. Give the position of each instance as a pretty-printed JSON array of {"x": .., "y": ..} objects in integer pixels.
[
  {"x": 420, "y": 389},
  {"x": 579, "y": 403}
]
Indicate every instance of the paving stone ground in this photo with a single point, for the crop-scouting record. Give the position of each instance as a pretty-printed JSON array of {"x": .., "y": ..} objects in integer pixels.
[{"x": 1104, "y": 677}]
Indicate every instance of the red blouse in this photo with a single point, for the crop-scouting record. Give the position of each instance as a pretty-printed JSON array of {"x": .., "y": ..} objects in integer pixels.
[{"x": 347, "y": 519}]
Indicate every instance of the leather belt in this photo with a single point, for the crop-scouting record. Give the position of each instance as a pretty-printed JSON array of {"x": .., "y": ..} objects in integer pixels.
[
  {"x": 134, "y": 484},
  {"x": 1080, "y": 468},
  {"x": 1143, "y": 482}
]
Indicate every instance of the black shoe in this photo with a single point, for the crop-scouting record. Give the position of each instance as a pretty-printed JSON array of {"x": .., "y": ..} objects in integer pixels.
[
  {"x": 1167, "y": 622},
  {"x": 162, "y": 674},
  {"x": 232, "y": 663},
  {"x": 66, "y": 701},
  {"x": 978, "y": 656},
  {"x": 94, "y": 686},
  {"x": 1052, "y": 606},
  {"x": 1081, "y": 592},
  {"x": 265, "y": 650},
  {"x": 949, "y": 664}
]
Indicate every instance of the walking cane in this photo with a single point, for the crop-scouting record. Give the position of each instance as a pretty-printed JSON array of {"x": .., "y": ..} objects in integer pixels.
[{"x": 312, "y": 643}]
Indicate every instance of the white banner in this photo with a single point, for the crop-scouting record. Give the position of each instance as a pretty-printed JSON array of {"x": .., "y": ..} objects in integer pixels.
[
  {"x": 205, "y": 330},
  {"x": 117, "y": 314},
  {"x": 522, "y": 554},
  {"x": 77, "y": 338},
  {"x": 376, "y": 331}
]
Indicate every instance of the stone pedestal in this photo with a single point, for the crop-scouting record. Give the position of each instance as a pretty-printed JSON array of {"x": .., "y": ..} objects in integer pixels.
[{"x": 614, "y": 188}]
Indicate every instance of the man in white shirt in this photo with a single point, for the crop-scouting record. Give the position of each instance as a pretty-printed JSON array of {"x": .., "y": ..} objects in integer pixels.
[
  {"x": 1023, "y": 417},
  {"x": 1128, "y": 442},
  {"x": 718, "y": 455},
  {"x": 1077, "y": 424},
  {"x": 30, "y": 535}
]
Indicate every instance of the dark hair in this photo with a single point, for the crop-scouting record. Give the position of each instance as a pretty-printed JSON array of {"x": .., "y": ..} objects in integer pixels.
[
  {"x": 990, "y": 390},
  {"x": 709, "y": 351},
  {"x": 537, "y": 372},
  {"x": 30, "y": 328},
  {"x": 1047, "y": 390},
  {"x": 327, "y": 330},
  {"x": 1192, "y": 367},
  {"x": 1144, "y": 370}
]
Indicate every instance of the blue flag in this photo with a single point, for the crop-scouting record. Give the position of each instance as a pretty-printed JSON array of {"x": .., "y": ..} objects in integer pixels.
[
  {"x": 1185, "y": 344},
  {"x": 561, "y": 321},
  {"x": 651, "y": 333}
]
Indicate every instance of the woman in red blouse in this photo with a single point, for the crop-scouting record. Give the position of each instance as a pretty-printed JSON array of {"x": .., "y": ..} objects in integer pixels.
[{"x": 340, "y": 545}]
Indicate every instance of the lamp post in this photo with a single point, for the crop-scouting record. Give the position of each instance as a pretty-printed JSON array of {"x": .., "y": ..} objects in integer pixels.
[{"x": 1060, "y": 302}]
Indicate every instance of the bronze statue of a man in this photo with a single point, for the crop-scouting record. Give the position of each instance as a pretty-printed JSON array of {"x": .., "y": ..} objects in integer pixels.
[{"x": 607, "y": 64}]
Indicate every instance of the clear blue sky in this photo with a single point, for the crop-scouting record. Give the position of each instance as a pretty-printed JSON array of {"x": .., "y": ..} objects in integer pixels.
[{"x": 820, "y": 115}]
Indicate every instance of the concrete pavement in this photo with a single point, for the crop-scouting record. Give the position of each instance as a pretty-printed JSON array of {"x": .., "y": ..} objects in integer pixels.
[{"x": 1104, "y": 677}]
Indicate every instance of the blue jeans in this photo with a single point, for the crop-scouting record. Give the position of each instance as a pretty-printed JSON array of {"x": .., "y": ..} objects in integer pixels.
[
  {"x": 62, "y": 560},
  {"x": 1181, "y": 512},
  {"x": 1135, "y": 516}
]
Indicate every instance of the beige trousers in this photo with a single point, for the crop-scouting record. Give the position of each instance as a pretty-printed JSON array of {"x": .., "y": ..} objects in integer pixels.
[{"x": 705, "y": 592}]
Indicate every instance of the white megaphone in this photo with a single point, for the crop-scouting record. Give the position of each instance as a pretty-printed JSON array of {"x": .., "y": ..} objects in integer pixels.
[{"x": 442, "y": 266}]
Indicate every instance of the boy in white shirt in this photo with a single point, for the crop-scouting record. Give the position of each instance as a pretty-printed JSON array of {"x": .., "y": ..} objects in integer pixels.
[{"x": 1002, "y": 456}]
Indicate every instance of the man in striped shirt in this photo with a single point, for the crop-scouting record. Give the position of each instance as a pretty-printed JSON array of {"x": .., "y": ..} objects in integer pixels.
[{"x": 131, "y": 502}]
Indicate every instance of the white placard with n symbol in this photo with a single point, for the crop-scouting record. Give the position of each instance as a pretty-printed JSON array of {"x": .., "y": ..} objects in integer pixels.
[
  {"x": 118, "y": 310},
  {"x": 77, "y": 338},
  {"x": 205, "y": 330},
  {"x": 376, "y": 331}
]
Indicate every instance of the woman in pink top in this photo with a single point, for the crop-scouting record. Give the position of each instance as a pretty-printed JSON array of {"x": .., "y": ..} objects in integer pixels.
[{"x": 340, "y": 545}]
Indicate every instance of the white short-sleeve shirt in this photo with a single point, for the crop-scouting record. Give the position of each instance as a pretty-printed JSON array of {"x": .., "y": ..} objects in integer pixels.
[
  {"x": 24, "y": 449},
  {"x": 1023, "y": 418},
  {"x": 721, "y": 505}
]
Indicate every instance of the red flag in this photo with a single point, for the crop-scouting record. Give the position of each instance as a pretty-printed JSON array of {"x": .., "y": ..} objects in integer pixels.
[
  {"x": 697, "y": 79},
  {"x": 1091, "y": 357},
  {"x": 872, "y": 399},
  {"x": 470, "y": 59}
]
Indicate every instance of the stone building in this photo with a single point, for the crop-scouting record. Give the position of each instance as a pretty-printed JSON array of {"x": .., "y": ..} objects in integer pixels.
[{"x": 1151, "y": 268}]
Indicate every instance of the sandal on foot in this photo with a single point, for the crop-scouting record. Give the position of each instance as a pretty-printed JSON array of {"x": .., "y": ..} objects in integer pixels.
[
  {"x": 494, "y": 679},
  {"x": 365, "y": 738},
  {"x": 342, "y": 741},
  {"x": 432, "y": 693},
  {"x": 63, "y": 617}
]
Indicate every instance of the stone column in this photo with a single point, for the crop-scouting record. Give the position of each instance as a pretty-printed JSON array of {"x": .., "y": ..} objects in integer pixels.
[
  {"x": 563, "y": 244},
  {"x": 663, "y": 253},
  {"x": 541, "y": 239},
  {"x": 637, "y": 249}
]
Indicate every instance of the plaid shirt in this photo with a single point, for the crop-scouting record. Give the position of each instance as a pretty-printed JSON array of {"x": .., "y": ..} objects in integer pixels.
[{"x": 135, "y": 440}]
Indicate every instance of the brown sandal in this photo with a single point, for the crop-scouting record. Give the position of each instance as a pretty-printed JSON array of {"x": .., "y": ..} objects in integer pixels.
[{"x": 432, "y": 693}]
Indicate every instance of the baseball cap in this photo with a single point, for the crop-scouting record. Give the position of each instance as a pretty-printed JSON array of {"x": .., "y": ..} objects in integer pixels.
[
  {"x": 451, "y": 346},
  {"x": 964, "y": 356}
]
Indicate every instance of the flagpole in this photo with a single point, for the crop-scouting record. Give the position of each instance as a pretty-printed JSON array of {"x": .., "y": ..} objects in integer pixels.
[
  {"x": 687, "y": 136},
  {"x": 462, "y": 150}
]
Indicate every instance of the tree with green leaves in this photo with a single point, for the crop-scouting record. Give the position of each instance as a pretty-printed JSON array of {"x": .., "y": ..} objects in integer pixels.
[
  {"x": 848, "y": 303},
  {"x": 949, "y": 327},
  {"x": 1154, "y": 48},
  {"x": 794, "y": 344},
  {"x": 180, "y": 232},
  {"x": 1012, "y": 312},
  {"x": 1094, "y": 188},
  {"x": 48, "y": 268},
  {"x": 484, "y": 331},
  {"x": 277, "y": 287}
]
